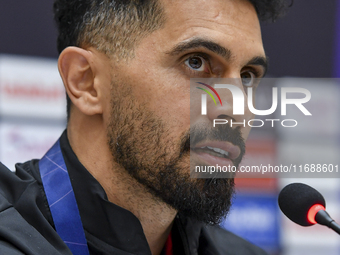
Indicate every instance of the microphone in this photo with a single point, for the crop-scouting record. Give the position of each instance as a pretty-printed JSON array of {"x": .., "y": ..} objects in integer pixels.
[{"x": 305, "y": 206}]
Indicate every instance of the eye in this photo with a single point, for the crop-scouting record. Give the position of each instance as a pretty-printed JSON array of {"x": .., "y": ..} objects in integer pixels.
[
  {"x": 248, "y": 78},
  {"x": 196, "y": 63}
]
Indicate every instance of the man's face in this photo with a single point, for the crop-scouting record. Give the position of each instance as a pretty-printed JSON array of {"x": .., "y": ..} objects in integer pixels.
[{"x": 148, "y": 118}]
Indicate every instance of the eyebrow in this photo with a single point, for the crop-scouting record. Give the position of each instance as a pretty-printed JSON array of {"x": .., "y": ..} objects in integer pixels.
[
  {"x": 216, "y": 48},
  {"x": 259, "y": 61},
  {"x": 198, "y": 43}
]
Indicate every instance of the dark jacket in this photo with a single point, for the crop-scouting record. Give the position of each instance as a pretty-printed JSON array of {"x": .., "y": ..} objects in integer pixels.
[{"x": 26, "y": 224}]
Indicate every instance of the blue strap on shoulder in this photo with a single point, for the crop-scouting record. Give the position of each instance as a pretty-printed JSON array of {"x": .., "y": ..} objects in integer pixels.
[{"x": 61, "y": 200}]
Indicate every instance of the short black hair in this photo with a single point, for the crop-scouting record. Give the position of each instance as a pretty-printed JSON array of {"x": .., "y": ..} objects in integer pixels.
[
  {"x": 115, "y": 26},
  {"x": 271, "y": 10}
]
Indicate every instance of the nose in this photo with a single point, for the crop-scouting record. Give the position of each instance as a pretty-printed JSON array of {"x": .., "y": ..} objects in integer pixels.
[{"x": 233, "y": 106}]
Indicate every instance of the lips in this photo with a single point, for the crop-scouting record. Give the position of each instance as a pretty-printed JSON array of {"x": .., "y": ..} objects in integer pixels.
[
  {"x": 218, "y": 149},
  {"x": 222, "y": 145}
]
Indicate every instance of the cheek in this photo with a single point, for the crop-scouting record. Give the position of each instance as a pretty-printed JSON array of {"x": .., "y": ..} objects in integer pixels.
[
  {"x": 162, "y": 92},
  {"x": 245, "y": 132},
  {"x": 174, "y": 111},
  {"x": 171, "y": 102}
]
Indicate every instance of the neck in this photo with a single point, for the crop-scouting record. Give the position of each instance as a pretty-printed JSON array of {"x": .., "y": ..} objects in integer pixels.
[
  {"x": 91, "y": 148},
  {"x": 155, "y": 216}
]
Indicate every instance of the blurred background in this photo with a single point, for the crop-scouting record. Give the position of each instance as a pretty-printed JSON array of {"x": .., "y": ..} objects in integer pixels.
[{"x": 305, "y": 43}]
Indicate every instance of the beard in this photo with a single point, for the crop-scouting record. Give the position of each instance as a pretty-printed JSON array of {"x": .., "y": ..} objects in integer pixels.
[{"x": 145, "y": 147}]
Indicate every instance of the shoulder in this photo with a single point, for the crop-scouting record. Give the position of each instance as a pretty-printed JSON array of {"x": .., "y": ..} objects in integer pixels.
[
  {"x": 25, "y": 223},
  {"x": 23, "y": 191},
  {"x": 14, "y": 184},
  {"x": 227, "y": 243}
]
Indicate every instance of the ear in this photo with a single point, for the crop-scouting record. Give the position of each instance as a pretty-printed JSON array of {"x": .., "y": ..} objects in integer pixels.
[{"x": 78, "y": 73}]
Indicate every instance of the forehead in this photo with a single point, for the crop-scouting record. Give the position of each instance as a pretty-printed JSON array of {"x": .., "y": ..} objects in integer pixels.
[
  {"x": 232, "y": 23},
  {"x": 240, "y": 13}
]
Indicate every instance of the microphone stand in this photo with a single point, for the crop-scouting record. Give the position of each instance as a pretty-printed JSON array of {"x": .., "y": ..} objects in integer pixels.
[{"x": 323, "y": 218}]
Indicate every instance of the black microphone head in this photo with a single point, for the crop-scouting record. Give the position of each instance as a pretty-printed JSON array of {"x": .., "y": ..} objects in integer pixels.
[{"x": 296, "y": 199}]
